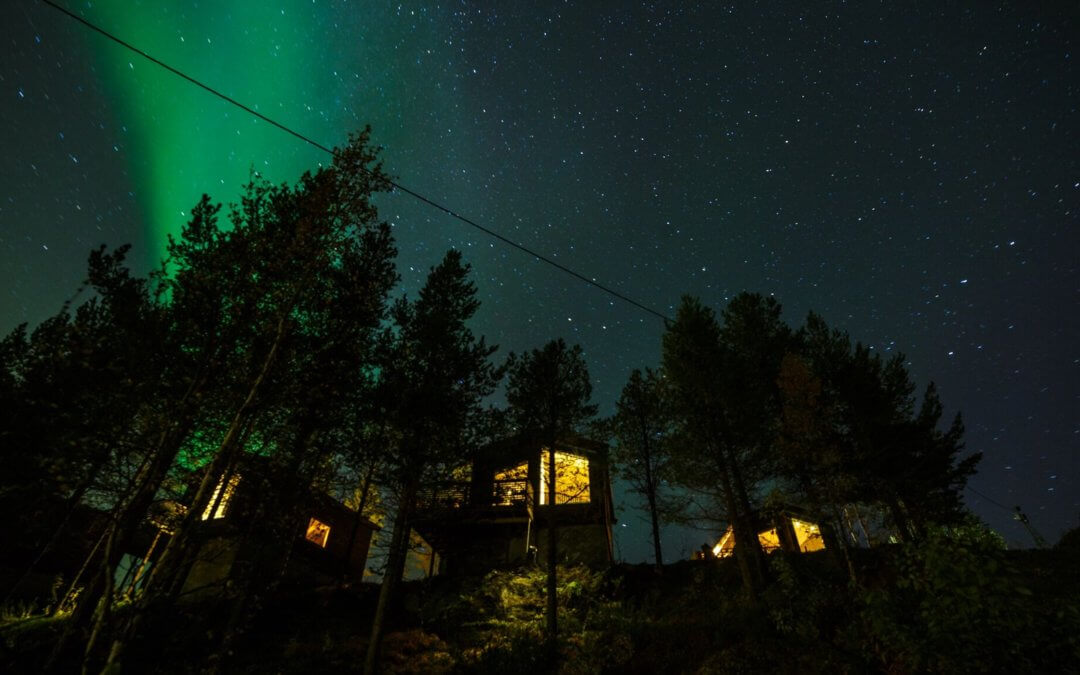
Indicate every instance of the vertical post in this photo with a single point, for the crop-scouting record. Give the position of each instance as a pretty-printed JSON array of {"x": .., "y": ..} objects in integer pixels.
[
  {"x": 552, "y": 556},
  {"x": 142, "y": 566},
  {"x": 528, "y": 534},
  {"x": 1036, "y": 537}
]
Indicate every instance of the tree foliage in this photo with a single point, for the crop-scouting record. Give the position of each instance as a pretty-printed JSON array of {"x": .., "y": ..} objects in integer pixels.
[
  {"x": 714, "y": 460},
  {"x": 807, "y": 416},
  {"x": 850, "y": 433},
  {"x": 960, "y": 604},
  {"x": 433, "y": 376},
  {"x": 643, "y": 433},
  {"x": 549, "y": 391},
  {"x": 549, "y": 394}
]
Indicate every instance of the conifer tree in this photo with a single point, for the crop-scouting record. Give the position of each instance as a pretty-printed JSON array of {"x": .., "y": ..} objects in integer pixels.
[
  {"x": 73, "y": 403},
  {"x": 433, "y": 376},
  {"x": 549, "y": 396},
  {"x": 243, "y": 303},
  {"x": 709, "y": 460},
  {"x": 643, "y": 432}
]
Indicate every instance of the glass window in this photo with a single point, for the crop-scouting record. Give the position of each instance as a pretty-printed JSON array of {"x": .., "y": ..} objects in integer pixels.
[
  {"x": 571, "y": 478},
  {"x": 317, "y": 532},
  {"x": 512, "y": 485},
  {"x": 808, "y": 535},
  {"x": 223, "y": 502},
  {"x": 769, "y": 540}
]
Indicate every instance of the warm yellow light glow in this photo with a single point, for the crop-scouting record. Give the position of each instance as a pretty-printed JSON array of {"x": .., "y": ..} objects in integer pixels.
[
  {"x": 317, "y": 532},
  {"x": 223, "y": 503},
  {"x": 808, "y": 535},
  {"x": 516, "y": 473},
  {"x": 724, "y": 547},
  {"x": 770, "y": 540},
  {"x": 571, "y": 478},
  {"x": 511, "y": 485}
]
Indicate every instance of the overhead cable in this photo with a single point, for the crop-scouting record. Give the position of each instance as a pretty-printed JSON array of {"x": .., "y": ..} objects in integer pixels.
[{"x": 397, "y": 186}]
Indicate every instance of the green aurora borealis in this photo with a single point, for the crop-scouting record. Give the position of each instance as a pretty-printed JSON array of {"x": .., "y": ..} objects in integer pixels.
[{"x": 302, "y": 63}]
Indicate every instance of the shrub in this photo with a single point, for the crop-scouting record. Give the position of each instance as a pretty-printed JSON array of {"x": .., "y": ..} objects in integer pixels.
[{"x": 958, "y": 605}]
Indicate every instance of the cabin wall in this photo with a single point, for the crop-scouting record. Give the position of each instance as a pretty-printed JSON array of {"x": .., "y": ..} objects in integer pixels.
[
  {"x": 489, "y": 534},
  {"x": 484, "y": 548},
  {"x": 210, "y": 570},
  {"x": 577, "y": 544}
]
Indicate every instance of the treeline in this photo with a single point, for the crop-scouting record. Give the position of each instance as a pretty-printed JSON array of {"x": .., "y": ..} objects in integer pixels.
[
  {"x": 744, "y": 410},
  {"x": 273, "y": 332}
]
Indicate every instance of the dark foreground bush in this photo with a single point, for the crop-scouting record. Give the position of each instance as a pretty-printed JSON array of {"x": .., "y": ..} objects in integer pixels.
[{"x": 956, "y": 602}]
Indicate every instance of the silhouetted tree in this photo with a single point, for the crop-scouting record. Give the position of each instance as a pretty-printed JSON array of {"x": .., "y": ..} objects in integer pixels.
[
  {"x": 290, "y": 283},
  {"x": 73, "y": 404},
  {"x": 434, "y": 374},
  {"x": 927, "y": 477},
  {"x": 850, "y": 434},
  {"x": 642, "y": 428},
  {"x": 549, "y": 397},
  {"x": 704, "y": 405}
]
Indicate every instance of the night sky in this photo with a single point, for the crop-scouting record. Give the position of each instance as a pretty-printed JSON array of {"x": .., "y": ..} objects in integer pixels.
[{"x": 909, "y": 171}]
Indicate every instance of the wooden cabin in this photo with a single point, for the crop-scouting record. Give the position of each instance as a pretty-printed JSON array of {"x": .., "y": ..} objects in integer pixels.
[
  {"x": 331, "y": 541},
  {"x": 496, "y": 513},
  {"x": 782, "y": 529}
]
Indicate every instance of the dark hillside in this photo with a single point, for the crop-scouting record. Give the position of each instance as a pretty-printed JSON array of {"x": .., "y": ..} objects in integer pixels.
[{"x": 952, "y": 604}]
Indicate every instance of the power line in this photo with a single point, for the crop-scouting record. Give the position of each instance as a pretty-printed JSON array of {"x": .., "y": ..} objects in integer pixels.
[
  {"x": 397, "y": 186},
  {"x": 995, "y": 503}
]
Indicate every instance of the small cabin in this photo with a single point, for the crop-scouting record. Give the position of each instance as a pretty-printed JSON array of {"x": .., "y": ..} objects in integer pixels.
[
  {"x": 331, "y": 541},
  {"x": 496, "y": 513},
  {"x": 781, "y": 529}
]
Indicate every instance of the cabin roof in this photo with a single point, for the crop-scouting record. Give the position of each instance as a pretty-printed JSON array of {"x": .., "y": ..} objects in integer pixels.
[{"x": 524, "y": 446}]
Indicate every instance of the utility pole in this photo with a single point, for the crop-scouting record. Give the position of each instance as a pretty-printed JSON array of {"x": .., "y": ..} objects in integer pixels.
[{"x": 1022, "y": 517}]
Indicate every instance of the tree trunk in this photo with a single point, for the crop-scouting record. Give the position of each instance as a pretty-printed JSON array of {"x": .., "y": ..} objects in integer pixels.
[
  {"x": 747, "y": 547},
  {"x": 72, "y": 504},
  {"x": 268, "y": 556},
  {"x": 845, "y": 544},
  {"x": 161, "y": 580},
  {"x": 129, "y": 590},
  {"x": 395, "y": 567},
  {"x": 82, "y": 570},
  {"x": 756, "y": 556},
  {"x": 650, "y": 494},
  {"x": 82, "y": 616},
  {"x": 862, "y": 524},
  {"x": 102, "y": 612},
  {"x": 126, "y": 518},
  {"x": 128, "y": 515},
  {"x": 742, "y": 535},
  {"x": 903, "y": 525},
  {"x": 365, "y": 488},
  {"x": 659, "y": 556},
  {"x": 552, "y": 557}
]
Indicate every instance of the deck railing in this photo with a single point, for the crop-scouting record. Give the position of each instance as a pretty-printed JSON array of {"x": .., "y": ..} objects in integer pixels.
[
  {"x": 512, "y": 492},
  {"x": 443, "y": 495},
  {"x": 458, "y": 494}
]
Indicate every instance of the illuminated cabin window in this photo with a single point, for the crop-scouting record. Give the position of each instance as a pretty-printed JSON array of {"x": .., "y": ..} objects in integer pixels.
[
  {"x": 223, "y": 502},
  {"x": 808, "y": 535},
  {"x": 317, "y": 532},
  {"x": 571, "y": 478},
  {"x": 726, "y": 545},
  {"x": 512, "y": 485},
  {"x": 770, "y": 540}
]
